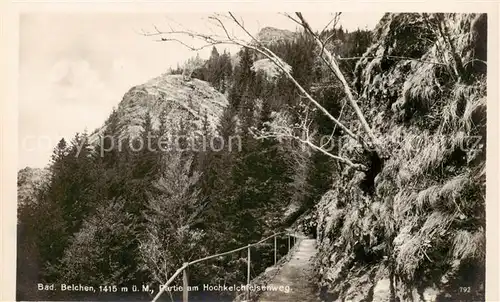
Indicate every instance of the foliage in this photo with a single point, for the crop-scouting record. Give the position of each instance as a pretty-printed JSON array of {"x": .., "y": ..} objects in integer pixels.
[
  {"x": 169, "y": 239},
  {"x": 101, "y": 251},
  {"x": 427, "y": 206}
]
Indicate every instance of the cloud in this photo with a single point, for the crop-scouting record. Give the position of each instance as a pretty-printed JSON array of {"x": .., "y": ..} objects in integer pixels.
[
  {"x": 76, "y": 81},
  {"x": 69, "y": 97}
]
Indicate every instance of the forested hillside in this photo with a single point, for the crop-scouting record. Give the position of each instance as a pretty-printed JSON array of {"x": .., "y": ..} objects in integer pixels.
[{"x": 400, "y": 222}]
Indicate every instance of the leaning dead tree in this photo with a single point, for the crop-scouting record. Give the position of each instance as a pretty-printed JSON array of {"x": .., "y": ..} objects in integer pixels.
[
  {"x": 333, "y": 65},
  {"x": 222, "y": 21},
  {"x": 282, "y": 128}
]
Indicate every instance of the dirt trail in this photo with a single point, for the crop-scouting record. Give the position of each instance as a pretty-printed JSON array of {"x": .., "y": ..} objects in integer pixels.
[{"x": 297, "y": 273}]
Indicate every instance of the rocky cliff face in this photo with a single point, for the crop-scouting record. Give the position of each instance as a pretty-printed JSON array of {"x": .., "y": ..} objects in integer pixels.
[
  {"x": 29, "y": 182},
  {"x": 412, "y": 228},
  {"x": 173, "y": 99},
  {"x": 270, "y": 35}
]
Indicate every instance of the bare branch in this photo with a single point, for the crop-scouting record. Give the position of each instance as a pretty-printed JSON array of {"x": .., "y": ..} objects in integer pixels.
[
  {"x": 221, "y": 25},
  {"x": 341, "y": 159},
  {"x": 268, "y": 53},
  {"x": 335, "y": 20},
  {"x": 333, "y": 65},
  {"x": 280, "y": 129},
  {"x": 330, "y": 138},
  {"x": 259, "y": 47},
  {"x": 292, "y": 18},
  {"x": 308, "y": 142},
  {"x": 441, "y": 49},
  {"x": 475, "y": 60},
  {"x": 444, "y": 32},
  {"x": 256, "y": 45},
  {"x": 184, "y": 44},
  {"x": 241, "y": 25},
  {"x": 392, "y": 57},
  {"x": 325, "y": 42}
]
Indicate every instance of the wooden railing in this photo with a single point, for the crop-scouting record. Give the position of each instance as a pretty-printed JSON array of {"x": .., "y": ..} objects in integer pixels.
[{"x": 183, "y": 268}]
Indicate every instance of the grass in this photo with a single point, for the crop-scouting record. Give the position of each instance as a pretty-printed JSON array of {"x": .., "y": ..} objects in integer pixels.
[
  {"x": 428, "y": 205},
  {"x": 420, "y": 89},
  {"x": 469, "y": 245}
]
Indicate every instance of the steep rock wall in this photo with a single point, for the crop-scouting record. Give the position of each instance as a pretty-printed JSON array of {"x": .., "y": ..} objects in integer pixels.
[{"x": 412, "y": 228}]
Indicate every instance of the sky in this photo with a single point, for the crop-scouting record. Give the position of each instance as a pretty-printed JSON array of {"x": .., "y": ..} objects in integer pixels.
[{"x": 75, "y": 68}]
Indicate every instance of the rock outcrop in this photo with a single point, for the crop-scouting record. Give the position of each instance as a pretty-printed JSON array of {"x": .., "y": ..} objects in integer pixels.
[
  {"x": 172, "y": 98},
  {"x": 270, "y": 35},
  {"x": 29, "y": 182}
]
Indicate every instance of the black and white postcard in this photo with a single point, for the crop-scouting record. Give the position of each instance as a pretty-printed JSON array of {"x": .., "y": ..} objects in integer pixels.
[{"x": 245, "y": 152}]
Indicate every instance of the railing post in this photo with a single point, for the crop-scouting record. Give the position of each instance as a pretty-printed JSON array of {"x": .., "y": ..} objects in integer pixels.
[
  {"x": 183, "y": 268},
  {"x": 248, "y": 273},
  {"x": 274, "y": 250},
  {"x": 185, "y": 283}
]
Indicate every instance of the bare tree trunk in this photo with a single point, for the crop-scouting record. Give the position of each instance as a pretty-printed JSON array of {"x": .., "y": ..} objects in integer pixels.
[
  {"x": 333, "y": 65},
  {"x": 444, "y": 32},
  {"x": 275, "y": 59}
]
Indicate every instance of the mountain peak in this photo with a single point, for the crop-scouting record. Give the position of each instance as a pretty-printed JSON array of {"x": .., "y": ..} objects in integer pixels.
[
  {"x": 180, "y": 100},
  {"x": 272, "y": 34}
]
